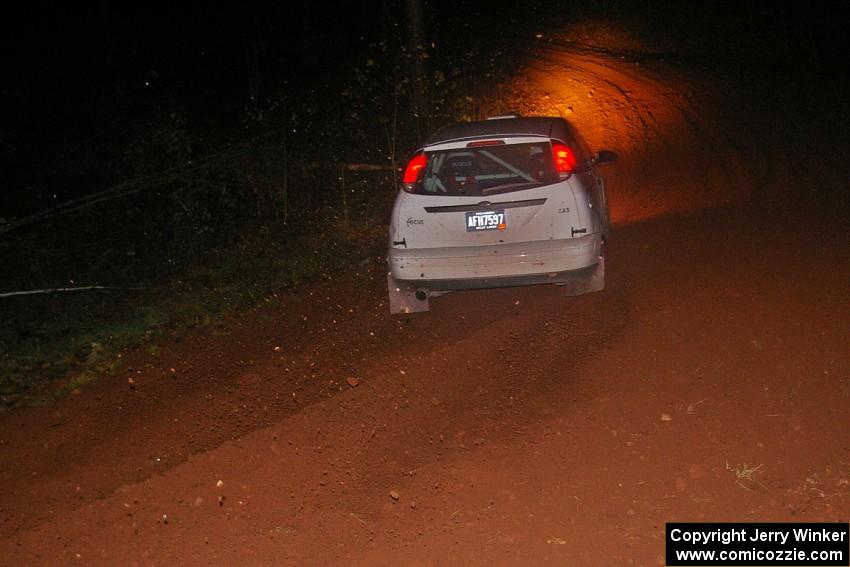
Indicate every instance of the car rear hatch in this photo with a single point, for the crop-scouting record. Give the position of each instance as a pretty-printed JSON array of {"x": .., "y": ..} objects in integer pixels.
[{"x": 487, "y": 192}]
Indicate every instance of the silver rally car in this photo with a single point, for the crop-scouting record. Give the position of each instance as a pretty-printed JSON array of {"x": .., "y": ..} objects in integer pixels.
[{"x": 507, "y": 201}]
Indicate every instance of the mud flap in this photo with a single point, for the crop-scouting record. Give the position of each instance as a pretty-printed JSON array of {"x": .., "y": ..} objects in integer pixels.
[
  {"x": 588, "y": 284},
  {"x": 403, "y": 298}
]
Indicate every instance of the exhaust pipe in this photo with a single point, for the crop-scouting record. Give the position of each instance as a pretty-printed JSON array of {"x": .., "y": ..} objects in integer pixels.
[{"x": 421, "y": 294}]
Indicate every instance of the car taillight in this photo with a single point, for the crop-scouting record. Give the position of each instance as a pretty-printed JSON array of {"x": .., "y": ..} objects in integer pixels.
[
  {"x": 414, "y": 169},
  {"x": 564, "y": 158}
]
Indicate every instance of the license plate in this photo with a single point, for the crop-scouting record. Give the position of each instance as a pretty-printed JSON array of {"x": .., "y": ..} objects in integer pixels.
[{"x": 486, "y": 220}]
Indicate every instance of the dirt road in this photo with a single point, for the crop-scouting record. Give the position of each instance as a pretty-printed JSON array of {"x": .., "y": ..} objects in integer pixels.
[{"x": 709, "y": 382}]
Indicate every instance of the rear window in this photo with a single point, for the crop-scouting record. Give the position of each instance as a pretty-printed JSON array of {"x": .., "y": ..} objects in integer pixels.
[{"x": 487, "y": 170}]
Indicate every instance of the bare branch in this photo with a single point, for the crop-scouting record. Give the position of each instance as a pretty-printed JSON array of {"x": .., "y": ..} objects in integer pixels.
[
  {"x": 123, "y": 189},
  {"x": 63, "y": 289}
]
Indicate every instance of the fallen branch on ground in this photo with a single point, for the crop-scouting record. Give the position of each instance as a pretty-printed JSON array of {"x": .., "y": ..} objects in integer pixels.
[{"x": 62, "y": 289}]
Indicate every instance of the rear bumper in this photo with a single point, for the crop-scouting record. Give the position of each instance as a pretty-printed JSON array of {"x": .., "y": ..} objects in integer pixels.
[{"x": 524, "y": 263}]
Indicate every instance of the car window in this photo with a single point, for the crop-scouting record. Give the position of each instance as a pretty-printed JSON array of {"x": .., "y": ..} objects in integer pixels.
[{"x": 487, "y": 170}]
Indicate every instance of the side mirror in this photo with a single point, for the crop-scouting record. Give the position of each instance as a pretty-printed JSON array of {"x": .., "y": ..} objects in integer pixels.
[{"x": 603, "y": 157}]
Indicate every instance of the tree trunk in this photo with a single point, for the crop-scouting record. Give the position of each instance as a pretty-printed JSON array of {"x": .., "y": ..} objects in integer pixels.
[
  {"x": 108, "y": 38},
  {"x": 416, "y": 51}
]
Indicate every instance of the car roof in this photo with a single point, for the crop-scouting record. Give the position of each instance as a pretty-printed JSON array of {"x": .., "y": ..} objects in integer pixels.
[{"x": 548, "y": 126}]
